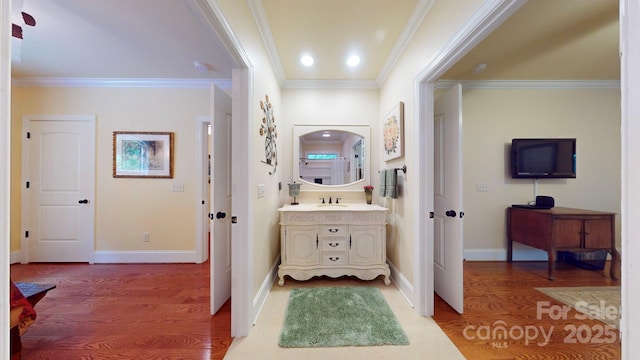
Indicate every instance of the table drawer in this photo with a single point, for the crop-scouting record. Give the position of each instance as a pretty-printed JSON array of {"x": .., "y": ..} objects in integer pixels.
[
  {"x": 334, "y": 230},
  {"x": 335, "y": 244},
  {"x": 340, "y": 258}
]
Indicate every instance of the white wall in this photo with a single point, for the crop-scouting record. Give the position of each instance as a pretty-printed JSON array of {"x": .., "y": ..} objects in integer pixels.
[{"x": 492, "y": 117}]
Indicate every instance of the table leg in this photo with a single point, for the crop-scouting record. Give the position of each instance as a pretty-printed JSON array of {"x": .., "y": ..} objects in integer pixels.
[
  {"x": 552, "y": 262},
  {"x": 509, "y": 241},
  {"x": 615, "y": 264}
]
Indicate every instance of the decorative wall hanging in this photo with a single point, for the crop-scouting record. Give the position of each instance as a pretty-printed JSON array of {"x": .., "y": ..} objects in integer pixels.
[
  {"x": 393, "y": 133},
  {"x": 268, "y": 128},
  {"x": 142, "y": 154}
]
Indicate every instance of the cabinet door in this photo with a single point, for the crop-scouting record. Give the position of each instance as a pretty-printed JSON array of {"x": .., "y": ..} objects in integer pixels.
[
  {"x": 567, "y": 233},
  {"x": 366, "y": 245},
  {"x": 301, "y": 245},
  {"x": 597, "y": 234}
]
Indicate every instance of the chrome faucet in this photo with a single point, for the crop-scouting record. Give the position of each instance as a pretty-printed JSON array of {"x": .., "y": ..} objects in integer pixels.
[
  {"x": 329, "y": 199},
  {"x": 322, "y": 199}
]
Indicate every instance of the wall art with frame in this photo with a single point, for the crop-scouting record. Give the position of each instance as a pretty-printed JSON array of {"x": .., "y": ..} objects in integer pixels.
[
  {"x": 142, "y": 154},
  {"x": 393, "y": 133}
]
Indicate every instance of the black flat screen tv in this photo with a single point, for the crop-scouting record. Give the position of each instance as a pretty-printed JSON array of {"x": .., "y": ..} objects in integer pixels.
[{"x": 543, "y": 158}]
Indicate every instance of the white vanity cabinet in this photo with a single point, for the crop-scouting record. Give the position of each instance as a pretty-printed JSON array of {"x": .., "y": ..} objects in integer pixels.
[{"x": 333, "y": 240}]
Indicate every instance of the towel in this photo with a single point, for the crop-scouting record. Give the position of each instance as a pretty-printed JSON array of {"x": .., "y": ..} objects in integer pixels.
[
  {"x": 383, "y": 183},
  {"x": 391, "y": 184}
]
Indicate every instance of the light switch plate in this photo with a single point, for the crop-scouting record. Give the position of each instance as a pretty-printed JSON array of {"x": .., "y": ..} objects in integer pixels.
[
  {"x": 178, "y": 187},
  {"x": 260, "y": 190}
]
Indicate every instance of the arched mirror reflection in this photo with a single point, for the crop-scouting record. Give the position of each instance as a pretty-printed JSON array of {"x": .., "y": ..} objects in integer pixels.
[{"x": 330, "y": 156}]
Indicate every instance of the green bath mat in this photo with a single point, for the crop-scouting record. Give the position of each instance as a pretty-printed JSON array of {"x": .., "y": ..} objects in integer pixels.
[{"x": 339, "y": 316}]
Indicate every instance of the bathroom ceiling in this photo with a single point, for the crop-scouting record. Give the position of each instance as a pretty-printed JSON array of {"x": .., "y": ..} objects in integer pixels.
[{"x": 544, "y": 40}]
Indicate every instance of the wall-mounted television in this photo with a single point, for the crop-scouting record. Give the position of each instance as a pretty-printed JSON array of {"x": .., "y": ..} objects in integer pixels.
[{"x": 543, "y": 158}]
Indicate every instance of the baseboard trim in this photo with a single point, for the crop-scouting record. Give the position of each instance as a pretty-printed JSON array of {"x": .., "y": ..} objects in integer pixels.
[
  {"x": 157, "y": 256},
  {"x": 261, "y": 297},
  {"x": 405, "y": 287},
  {"x": 15, "y": 257}
]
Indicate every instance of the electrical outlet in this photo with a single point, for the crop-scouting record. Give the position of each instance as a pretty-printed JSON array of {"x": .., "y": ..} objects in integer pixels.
[
  {"x": 482, "y": 187},
  {"x": 178, "y": 187},
  {"x": 145, "y": 236}
]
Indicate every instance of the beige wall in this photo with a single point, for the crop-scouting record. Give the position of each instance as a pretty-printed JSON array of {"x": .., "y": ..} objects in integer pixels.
[
  {"x": 264, "y": 222},
  {"x": 442, "y": 22},
  {"x": 125, "y": 208},
  {"x": 492, "y": 117}
]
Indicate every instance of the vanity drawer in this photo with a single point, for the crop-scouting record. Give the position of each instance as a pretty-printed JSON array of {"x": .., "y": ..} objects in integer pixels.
[
  {"x": 333, "y": 230},
  {"x": 340, "y": 258},
  {"x": 339, "y": 244}
]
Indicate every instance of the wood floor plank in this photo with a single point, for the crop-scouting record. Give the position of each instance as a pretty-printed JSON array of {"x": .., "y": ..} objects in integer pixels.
[
  {"x": 500, "y": 294},
  {"x": 124, "y": 311},
  {"x": 161, "y": 311}
]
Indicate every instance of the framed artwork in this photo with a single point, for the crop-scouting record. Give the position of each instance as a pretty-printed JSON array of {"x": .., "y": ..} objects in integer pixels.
[
  {"x": 142, "y": 154},
  {"x": 393, "y": 133}
]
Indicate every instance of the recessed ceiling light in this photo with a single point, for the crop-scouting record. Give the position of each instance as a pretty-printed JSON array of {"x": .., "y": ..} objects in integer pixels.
[
  {"x": 353, "y": 60},
  {"x": 306, "y": 60}
]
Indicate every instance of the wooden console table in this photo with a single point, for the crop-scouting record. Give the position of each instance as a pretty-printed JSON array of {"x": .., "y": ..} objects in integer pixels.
[{"x": 562, "y": 229}]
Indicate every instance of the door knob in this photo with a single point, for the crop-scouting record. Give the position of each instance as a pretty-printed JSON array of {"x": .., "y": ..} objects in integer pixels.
[
  {"x": 450, "y": 213},
  {"x": 83, "y": 201},
  {"x": 220, "y": 215}
]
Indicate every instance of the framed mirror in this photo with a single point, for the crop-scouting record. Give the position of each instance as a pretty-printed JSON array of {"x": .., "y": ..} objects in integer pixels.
[{"x": 326, "y": 156}]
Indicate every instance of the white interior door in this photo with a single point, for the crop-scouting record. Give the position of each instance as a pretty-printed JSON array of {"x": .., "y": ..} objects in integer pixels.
[
  {"x": 448, "y": 240},
  {"x": 58, "y": 203},
  {"x": 220, "y": 191}
]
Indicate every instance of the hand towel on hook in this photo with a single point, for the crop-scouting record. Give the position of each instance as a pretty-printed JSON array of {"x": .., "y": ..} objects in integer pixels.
[{"x": 391, "y": 183}]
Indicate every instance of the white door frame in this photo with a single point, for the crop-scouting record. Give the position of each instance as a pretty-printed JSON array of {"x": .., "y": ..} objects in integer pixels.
[
  {"x": 488, "y": 17},
  {"x": 202, "y": 245},
  {"x": 5, "y": 169},
  {"x": 241, "y": 169}
]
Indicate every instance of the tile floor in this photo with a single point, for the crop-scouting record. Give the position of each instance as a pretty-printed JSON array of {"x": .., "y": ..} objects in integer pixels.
[{"x": 427, "y": 340}]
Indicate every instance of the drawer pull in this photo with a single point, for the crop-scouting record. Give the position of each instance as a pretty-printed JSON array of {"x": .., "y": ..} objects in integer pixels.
[
  {"x": 333, "y": 244},
  {"x": 333, "y": 231},
  {"x": 334, "y": 258}
]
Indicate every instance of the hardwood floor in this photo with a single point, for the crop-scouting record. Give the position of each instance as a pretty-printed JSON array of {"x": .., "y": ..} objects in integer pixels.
[
  {"x": 124, "y": 311},
  {"x": 161, "y": 311},
  {"x": 502, "y": 294}
]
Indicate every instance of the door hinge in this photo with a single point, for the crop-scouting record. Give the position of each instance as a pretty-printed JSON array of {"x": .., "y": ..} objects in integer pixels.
[
  {"x": 28, "y": 135},
  {"x": 211, "y": 216},
  {"x": 26, "y": 234},
  {"x": 28, "y": 184},
  {"x": 202, "y": 202}
]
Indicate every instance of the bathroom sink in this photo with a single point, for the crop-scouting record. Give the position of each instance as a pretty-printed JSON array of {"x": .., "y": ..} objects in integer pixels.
[{"x": 331, "y": 205}]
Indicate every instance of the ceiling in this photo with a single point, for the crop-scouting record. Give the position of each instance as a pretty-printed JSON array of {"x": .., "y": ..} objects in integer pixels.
[{"x": 160, "y": 39}]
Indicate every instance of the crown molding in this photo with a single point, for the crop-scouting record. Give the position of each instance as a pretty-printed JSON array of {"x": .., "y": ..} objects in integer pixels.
[
  {"x": 416, "y": 19},
  {"x": 262, "y": 22},
  {"x": 330, "y": 84},
  {"x": 224, "y": 84},
  {"x": 530, "y": 84}
]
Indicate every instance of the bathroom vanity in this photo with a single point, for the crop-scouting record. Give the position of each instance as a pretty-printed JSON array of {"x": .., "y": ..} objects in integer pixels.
[{"x": 333, "y": 240}]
